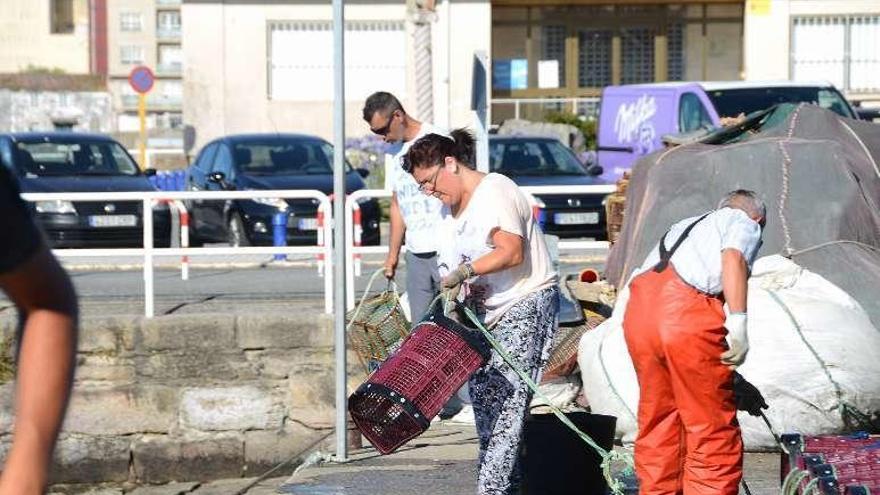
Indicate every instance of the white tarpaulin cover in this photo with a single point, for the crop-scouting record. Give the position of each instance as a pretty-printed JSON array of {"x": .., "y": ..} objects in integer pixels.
[{"x": 813, "y": 355}]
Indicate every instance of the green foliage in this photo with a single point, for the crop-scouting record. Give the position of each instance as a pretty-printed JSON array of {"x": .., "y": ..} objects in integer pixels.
[
  {"x": 586, "y": 126},
  {"x": 368, "y": 152},
  {"x": 36, "y": 69}
]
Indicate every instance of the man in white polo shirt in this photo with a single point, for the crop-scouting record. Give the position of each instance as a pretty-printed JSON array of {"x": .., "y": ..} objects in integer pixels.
[
  {"x": 414, "y": 216},
  {"x": 675, "y": 328}
]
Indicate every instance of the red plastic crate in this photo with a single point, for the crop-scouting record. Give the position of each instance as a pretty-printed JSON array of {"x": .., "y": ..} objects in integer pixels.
[
  {"x": 846, "y": 464},
  {"x": 398, "y": 401}
]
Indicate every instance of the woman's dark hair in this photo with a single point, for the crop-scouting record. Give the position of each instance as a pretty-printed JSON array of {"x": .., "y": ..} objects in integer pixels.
[{"x": 431, "y": 149}]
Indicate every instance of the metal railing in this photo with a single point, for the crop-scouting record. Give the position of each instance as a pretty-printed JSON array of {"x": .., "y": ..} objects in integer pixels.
[
  {"x": 590, "y": 104},
  {"x": 168, "y": 33},
  {"x": 354, "y": 251},
  {"x": 323, "y": 249},
  {"x": 170, "y": 69},
  {"x": 148, "y": 252}
]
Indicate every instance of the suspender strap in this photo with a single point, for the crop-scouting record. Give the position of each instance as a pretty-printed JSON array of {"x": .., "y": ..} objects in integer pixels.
[{"x": 665, "y": 255}]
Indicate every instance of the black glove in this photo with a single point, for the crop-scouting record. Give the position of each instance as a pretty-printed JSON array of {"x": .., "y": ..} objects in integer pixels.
[{"x": 747, "y": 396}]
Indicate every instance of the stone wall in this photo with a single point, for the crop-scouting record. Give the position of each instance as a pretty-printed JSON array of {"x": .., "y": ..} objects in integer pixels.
[
  {"x": 33, "y": 110},
  {"x": 191, "y": 397}
]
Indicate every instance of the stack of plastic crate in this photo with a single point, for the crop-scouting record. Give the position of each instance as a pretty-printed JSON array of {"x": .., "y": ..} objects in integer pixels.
[{"x": 831, "y": 464}]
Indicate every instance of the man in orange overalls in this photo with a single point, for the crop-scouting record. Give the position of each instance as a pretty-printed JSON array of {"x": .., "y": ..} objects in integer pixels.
[{"x": 675, "y": 327}]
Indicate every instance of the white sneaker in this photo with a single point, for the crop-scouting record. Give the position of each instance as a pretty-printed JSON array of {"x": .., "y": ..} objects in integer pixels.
[{"x": 465, "y": 416}]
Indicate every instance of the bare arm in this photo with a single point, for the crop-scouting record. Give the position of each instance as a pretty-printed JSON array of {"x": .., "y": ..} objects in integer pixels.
[
  {"x": 398, "y": 229},
  {"x": 43, "y": 292},
  {"x": 508, "y": 252},
  {"x": 734, "y": 280}
]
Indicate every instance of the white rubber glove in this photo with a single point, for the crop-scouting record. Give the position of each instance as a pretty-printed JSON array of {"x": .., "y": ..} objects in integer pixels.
[
  {"x": 452, "y": 284},
  {"x": 737, "y": 340}
]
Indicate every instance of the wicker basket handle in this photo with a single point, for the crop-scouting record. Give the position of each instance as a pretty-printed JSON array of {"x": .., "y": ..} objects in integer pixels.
[
  {"x": 392, "y": 287},
  {"x": 366, "y": 293}
]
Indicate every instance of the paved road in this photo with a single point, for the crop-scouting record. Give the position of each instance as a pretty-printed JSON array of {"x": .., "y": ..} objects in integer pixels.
[{"x": 115, "y": 285}]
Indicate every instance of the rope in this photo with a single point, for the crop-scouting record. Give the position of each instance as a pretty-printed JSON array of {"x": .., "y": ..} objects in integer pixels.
[
  {"x": 811, "y": 487},
  {"x": 831, "y": 243},
  {"x": 786, "y": 181},
  {"x": 864, "y": 148},
  {"x": 792, "y": 480},
  {"x": 313, "y": 459},
  {"x": 608, "y": 457},
  {"x": 611, "y": 384}
]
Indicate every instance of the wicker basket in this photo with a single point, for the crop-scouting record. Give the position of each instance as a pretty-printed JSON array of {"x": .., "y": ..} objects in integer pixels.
[
  {"x": 376, "y": 327},
  {"x": 615, "y": 204},
  {"x": 398, "y": 401},
  {"x": 563, "y": 353}
]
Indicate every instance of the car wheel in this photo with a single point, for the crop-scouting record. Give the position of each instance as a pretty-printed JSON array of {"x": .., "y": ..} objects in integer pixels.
[
  {"x": 235, "y": 232},
  {"x": 194, "y": 239}
]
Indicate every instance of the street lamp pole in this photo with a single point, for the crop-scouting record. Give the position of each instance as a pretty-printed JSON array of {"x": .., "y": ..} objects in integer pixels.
[{"x": 339, "y": 225}]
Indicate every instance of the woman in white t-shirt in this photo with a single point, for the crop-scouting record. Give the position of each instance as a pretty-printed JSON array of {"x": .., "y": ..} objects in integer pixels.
[{"x": 493, "y": 259}]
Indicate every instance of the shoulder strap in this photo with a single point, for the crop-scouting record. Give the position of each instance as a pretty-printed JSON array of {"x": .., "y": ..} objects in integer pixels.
[{"x": 665, "y": 255}]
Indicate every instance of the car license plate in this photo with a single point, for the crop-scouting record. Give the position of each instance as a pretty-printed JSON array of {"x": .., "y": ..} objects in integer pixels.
[
  {"x": 308, "y": 224},
  {"x": 112, "y": 220},
  {"x": 576, "y": 218}
]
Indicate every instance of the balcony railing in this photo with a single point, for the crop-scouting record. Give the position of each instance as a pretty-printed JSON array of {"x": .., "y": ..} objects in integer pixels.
[
  {"x": 536, "y": 108},
  {"x": 168, "y": 33},
  {"x": 170, "y": 69}
]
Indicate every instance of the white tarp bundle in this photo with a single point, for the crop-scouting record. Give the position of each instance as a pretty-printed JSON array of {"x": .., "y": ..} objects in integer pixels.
[{"x": 813, "y": 354}]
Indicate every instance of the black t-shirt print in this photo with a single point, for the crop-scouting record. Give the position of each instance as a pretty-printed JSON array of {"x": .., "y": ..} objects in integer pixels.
[{"x": 19, "y": 236}]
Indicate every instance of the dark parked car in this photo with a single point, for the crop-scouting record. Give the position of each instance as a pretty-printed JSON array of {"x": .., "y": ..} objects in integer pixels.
[
  {"x": 540, "y": 161},
  {"x": 263, "y": 162},
  {"x": 58, "y": 162}
]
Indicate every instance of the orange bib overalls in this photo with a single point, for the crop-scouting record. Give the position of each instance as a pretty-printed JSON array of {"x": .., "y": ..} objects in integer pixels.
[{"x": 689, "y": 440}]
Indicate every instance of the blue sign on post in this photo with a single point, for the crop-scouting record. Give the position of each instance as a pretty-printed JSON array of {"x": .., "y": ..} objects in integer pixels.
[{"x": 141, "y": 79}]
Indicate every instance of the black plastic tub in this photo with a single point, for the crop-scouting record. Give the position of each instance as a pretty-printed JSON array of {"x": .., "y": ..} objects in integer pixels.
[{"x": 555, "y": 461}]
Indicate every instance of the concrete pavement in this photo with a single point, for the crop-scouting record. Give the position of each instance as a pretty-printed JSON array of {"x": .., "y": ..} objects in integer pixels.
[
  {"x": 440, "y": 462},
  {"x": 443, "y": 462}
]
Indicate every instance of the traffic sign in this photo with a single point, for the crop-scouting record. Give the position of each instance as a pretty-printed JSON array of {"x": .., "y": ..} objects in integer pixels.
[{"x": 141, "y": 79}]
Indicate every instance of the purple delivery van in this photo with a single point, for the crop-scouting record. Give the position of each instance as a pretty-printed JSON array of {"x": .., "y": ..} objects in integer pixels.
[{"x": 634, "y": 118}]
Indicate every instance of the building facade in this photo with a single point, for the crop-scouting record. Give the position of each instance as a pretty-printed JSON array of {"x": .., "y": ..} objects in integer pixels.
[
  {"x": 573, "y": 48},
  {"x": 146, "y": 32},
  {"x": 268, "y": 66},
  {"x": 45, "y": 35},
  {"x": 104, "y": 39},
  {"x": 804, "y": 40},
  {"x": 246, "y": 68}
]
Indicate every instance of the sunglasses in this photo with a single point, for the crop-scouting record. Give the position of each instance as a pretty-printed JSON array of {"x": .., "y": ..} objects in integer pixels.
[{"x": 383, "y": 131}]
